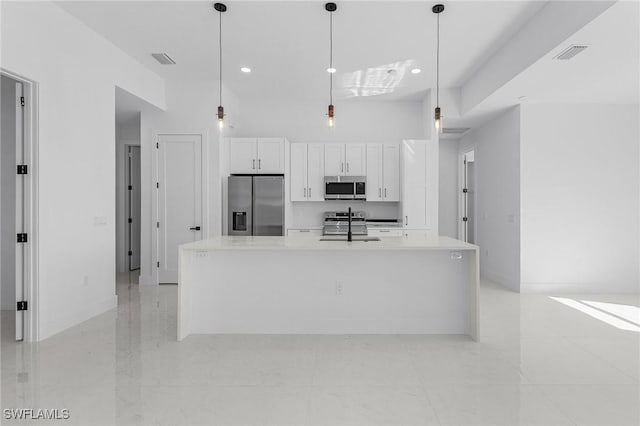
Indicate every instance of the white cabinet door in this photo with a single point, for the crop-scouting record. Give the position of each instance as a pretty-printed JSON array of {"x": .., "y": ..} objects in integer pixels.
[
  {"x": 298, "y": 175},
  {"x": 414, "y": 197},
  {"x": 315, "y": 172},
  {"x": 374, "y": 172},
  {"x": 390, "y": 172},
  {"x": 334, "y": 159},
  {"x": 242, "y": 155},
  {"x": 385, "y": 232},
  {"x": 270, "y": 155},
  {"x": 355, "y": 159},
  {"x": 304, "y": 233}
]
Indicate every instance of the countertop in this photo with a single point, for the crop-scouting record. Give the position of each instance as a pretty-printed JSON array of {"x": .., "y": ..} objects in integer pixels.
[{"x": 293, "y": 243}]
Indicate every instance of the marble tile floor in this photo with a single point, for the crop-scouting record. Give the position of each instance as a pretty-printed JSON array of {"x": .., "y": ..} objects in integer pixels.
[{"x": 540, "y": 362}]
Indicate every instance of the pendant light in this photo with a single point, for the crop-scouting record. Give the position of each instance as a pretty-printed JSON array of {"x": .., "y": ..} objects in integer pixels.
[
  {"x": 438, "y": 9},
  {"x": 220, "y": 8},
  {"x": 331, "y": 7}
]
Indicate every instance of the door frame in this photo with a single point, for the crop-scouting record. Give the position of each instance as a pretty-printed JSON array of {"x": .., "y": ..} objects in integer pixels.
[
  {"x": 155, "y": 213},
  {"x": 461, "y": 184},
  {"x": 31, "y": 329}
]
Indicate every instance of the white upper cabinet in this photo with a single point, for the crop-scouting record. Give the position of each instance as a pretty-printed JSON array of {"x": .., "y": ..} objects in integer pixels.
[
  {"x": 391, "y": 172},
  {"x": 334, "y": 159},
  {"x": 307, "y": 172},
  {"x": 383, "y": 164},
  {"x": 256, "y": 155},
  {"x": 315, "y": 172},
  {"x": 344, "y": 159},
  {"x": 298, "y": 174},
  {"x": 355, "y": 159},
  {"x": 419, "y": 185},
  {"x": 270, "y": 155},
  {"x": 242, "y": 155},
  {"x": 374, "y": 172}
]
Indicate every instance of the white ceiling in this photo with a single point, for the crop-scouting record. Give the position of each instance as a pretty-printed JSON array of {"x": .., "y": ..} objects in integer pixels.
[{"x": 287, "y": 43}]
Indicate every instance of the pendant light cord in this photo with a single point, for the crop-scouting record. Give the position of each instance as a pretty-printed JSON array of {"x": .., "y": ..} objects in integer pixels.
[
  {"x": 220, "y": 52},
  {"x": 438, "y": 63},
  {"x": 331, "y": 57}
]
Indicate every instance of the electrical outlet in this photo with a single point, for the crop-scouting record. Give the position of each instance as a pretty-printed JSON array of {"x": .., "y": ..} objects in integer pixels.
[
  {"x": 339, "y": 288},
  {"x": 456, "y": 255}
]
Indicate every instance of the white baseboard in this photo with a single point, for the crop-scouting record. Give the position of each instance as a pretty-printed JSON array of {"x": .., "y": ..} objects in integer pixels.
[
  {"x": 501, "y": 279},
  {"x": 563, "y": 288},
  {"x": 86, "y": 312},
  {"x": 146, "y": 280}
]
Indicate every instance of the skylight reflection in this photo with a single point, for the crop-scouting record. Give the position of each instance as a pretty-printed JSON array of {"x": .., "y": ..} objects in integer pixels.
[
  {"x": 375, "y": 81},
  {"x": 606, "y": 312}
]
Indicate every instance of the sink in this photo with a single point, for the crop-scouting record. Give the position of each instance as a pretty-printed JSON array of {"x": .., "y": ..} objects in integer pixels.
[{"x": 364, "y": 238}]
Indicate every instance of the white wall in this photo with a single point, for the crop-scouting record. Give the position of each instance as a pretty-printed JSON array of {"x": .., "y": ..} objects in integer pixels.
[
  {"x": 8, "y": 193},
  {"x": 76, "y": 71},
  {"x": 580, "y": 185},
  {"x": 497, "y": 167},
  {"x": 448, "y": 191},
  {"x": 356, "y": 121},
  {"x": 191, "y": 107}
]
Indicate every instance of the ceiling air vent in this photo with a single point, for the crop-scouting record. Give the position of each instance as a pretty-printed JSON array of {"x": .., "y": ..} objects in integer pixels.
[
  {"x": 454, "y": 130},
  {"x": 163, "y": 58},
  {"x": 570, "y": 52}
]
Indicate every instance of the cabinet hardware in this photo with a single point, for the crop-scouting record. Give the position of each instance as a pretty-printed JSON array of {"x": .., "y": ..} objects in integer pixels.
[
  {"x": 194, "y": 228},
  {"x": 347, "y": 167},
  {"x": 406, "y": 220},
  {"x": 379, "y": 193},
  {"x": 304, "y": 230},
  {"x": 384, "y": 230},
  {"x": 309, "y": 192},
  {"x": 305, "y": 192},
  {"x": 259, "y": 163},
  {"x": 253, "y": 165},
  {"x": 385, "y": 193},
  {"x": 341, "y": 167}
]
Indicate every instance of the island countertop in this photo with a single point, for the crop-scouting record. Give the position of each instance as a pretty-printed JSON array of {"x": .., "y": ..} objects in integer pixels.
[{"x": 297, "y": 243}]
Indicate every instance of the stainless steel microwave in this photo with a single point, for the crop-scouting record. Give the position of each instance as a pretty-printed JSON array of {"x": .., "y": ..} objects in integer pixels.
[{"x": 345, "y": 188}]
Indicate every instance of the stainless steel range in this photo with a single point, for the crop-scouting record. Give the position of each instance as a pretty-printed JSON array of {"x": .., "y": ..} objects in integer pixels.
[{"x": 337, "y": 223}]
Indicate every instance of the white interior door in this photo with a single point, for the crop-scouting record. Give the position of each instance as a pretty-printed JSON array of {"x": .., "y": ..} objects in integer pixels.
[
  {"x": 179, "y": 199},
  {"x": 21, "y": 248},
  {"x": 133, "y": 207}
]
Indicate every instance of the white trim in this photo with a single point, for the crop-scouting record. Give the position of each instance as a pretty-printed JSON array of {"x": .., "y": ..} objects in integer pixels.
[
  {"x": 155, "y": 241},
  {"x": 613, "y": 287},
  {"x": 31, "y": 218}
]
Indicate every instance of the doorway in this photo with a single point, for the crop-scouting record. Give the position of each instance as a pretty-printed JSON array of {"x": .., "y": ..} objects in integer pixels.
[
  {"x": 16, "y": 230},
  {"x": 180, "y": 194},
  {"x": 468, "y": 198}
]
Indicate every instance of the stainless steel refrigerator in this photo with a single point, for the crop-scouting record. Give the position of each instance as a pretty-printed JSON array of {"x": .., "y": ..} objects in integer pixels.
[{"x": 256, "y": 205}]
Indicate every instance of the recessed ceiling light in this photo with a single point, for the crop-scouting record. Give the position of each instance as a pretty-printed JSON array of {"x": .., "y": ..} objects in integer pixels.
[
  {"x": 331, "y": 70},
  {"x": 416, "y": 71},
  {"x": 245, "y": 69}
]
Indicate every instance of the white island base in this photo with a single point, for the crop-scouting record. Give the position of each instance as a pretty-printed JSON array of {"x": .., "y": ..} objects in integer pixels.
[{"x": 281, "y": 285}]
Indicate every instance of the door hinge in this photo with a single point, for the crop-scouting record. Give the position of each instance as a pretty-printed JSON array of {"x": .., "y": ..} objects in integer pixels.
[
  {"x": 130, "y": 187},
  {"x": 158, "y": 185},
  {"x": 157, "y": 224},
  {"x": 21, "y": 101},
  {"x": 158, "y": 265},
  {"x": 21, "y": 169},
  {"x": 130, "y": 253},
  {"x": 22, "y": 237},
  {"x": 130, "y": 220},
  {"x": 465, "y": 190},
  {"x": 464, "y": 219},
  {"x": 157, "y": 145},
  {"x": 21, "y": 305}
]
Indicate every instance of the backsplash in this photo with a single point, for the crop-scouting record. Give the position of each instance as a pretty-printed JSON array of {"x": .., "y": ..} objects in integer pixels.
[{"x": 307, "y": 214}]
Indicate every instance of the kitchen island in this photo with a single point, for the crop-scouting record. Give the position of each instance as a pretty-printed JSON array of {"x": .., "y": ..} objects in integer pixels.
[{"x": 283, "y": 285}]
